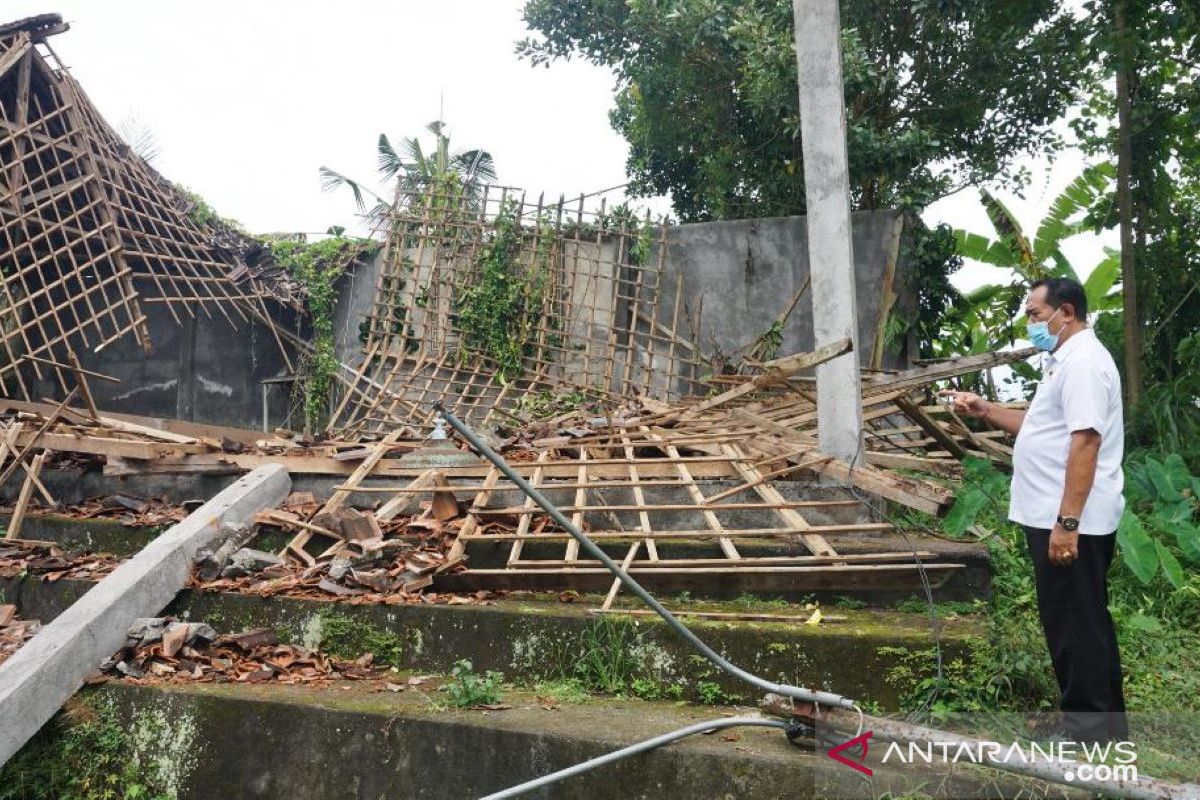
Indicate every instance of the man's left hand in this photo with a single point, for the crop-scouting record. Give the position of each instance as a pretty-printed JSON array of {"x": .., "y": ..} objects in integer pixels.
[{"x": 1064, "y": 546}]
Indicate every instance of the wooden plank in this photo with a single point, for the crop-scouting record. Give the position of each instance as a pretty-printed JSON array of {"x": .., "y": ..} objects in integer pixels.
[
  {"x": 800, "y": 578},
  {"x": 197, "y": 430},
  {"x": 942, "y": 370},
  {"x": 19, "y": 458},
  {"x": 775, "y": 372},
  {"x": 709, "y": 533},
  {"x": 513, "y": 511},
  {"x": 99, "y": 445},
  {"x": 458, "y": 548},
  {"x": 744, "y": 561},
  {"x": 18, "y": 515},
  {"x": 526, "y": 519},
  {"x": 943, "y": 467},
  {"x": 339, "y": 497},
  {"x": 782, "y": 508},
  {"x": 60, "y": 365},
  {"x": 405, "y": 502},
  {"x": 930, "y": 427},
  {"x": 81, "y": 382}
]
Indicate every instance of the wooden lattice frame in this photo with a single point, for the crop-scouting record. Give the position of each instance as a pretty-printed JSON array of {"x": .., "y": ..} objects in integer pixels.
[
  {"x": 598, "y": 328},
  {"x": 88, "y": 231}
]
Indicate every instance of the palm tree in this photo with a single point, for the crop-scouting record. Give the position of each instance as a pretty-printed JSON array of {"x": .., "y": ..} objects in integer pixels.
[{"x": 413, "y": 170}]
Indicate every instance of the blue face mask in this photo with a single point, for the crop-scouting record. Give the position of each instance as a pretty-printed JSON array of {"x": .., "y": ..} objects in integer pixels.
[{"x": 1039, "y": 335}]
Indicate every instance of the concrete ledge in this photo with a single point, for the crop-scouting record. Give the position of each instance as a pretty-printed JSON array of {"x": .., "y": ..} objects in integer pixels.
[
  {"x": 349, "y": 740},
  {"x": 536, "y": 637},
  {"x": 345, "y": 742},
  {"x": 53, "y": 665}
]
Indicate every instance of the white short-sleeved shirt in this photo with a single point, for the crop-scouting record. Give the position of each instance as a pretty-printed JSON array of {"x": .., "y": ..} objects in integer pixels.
[{"x": 1080, "y": 389}]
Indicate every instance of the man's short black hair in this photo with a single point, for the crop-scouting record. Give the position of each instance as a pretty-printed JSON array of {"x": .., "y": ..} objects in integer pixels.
[{"x": 1064, "y": 290}]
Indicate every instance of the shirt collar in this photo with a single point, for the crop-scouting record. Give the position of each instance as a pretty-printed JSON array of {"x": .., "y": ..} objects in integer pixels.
[{"x": 1070, "y": 345}]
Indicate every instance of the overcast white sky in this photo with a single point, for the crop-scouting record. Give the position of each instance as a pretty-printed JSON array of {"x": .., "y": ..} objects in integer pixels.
[{"x": 246, "y": 100}]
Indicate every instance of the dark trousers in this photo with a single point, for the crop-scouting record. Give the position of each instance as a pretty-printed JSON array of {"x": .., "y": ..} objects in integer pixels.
[{"x": 1073, "y": 605}]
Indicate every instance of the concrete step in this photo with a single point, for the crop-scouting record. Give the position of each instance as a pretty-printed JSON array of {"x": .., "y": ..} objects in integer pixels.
[
  {"x": 350, "y": 740},
  {"x": 868, "y": 654}
]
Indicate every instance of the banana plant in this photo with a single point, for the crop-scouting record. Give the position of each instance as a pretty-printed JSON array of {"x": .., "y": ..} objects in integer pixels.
[{"x": 1031, "y": 258}]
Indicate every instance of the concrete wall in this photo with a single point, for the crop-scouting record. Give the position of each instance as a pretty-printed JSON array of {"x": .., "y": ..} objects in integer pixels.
[
  {"x": 204, "y": 370},
  {"x": 747, "y": 271},
  {"x": 742, "y": 274}
]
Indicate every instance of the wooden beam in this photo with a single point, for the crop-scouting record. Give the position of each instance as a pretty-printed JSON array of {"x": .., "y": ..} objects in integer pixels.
[{"x": 776, "y": 371}]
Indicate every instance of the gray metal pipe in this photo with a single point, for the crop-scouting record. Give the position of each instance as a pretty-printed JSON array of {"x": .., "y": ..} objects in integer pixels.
[
  {"x": 794, "y": 692},
  {"x": 634, "y": 749}
]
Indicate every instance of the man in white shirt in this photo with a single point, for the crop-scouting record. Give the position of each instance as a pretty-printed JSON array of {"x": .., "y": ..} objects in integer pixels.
[{"x": 1066, "y": 493}]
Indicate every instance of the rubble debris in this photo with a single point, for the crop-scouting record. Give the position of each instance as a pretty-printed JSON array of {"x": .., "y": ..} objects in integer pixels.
[
  {"x": 48, "y": 562},
  {"x": 14, "y": 632},
  {"x": 166, "y": 649}
]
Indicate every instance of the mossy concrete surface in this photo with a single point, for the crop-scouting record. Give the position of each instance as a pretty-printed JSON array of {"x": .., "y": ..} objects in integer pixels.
[
  {"x": 87, "y": 535},
  {"x": 536, "y": 638},
  {"x": 346, "y": 742}
]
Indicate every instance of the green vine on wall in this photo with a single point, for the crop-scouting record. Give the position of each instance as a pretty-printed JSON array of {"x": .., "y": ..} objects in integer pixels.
[
  {"x": 501, "y": 314},
  {"x": 317, "y": 266}
]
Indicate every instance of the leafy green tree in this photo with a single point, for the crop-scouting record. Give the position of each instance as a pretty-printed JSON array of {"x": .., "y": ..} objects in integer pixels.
[
  {"x": 1073, "y": 212},
  {"x": 982, "y": 319},
  {"x": 938, "y": 94},
  {"x": 1143, "y": 110}
]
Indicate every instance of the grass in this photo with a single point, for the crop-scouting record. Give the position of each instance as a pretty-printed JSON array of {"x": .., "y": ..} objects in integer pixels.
[{"x": 466, "y": 689}]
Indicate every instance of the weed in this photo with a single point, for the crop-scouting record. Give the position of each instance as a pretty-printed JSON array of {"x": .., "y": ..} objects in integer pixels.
[
  {"x": 564, "y": 691},
  {"x": 849, "y": 603},
  {"x": 712, "y": 694},
  {"x": 84, "y": 754},
  {"x": 466, "y": 689}
]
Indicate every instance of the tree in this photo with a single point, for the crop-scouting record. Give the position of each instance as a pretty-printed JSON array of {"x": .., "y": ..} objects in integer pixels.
[
  {"x": 1143, "y": 108},
  {"x": 413, "y": 169},
  {"x": 983, "y": 318},
  {"x": 938, "y": 94}
]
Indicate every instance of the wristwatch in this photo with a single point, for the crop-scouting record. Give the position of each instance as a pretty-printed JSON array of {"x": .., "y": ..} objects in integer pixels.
[{"x": 1069, "y": 524}]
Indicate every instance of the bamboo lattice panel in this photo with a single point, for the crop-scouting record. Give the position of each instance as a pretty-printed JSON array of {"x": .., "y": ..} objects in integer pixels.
[{"x": 584, "y": 301}]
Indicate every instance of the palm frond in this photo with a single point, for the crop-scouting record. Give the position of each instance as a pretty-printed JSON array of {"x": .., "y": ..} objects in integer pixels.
[
  {"x": 390, "y": 163},
  {"x": 331, "y": 180},
  {"x": 416, "y": 162},
  {"x": 475, "y": 166}
]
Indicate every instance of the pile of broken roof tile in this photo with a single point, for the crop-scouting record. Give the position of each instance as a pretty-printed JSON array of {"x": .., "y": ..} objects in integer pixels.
[{"x": 167, "y": 649}]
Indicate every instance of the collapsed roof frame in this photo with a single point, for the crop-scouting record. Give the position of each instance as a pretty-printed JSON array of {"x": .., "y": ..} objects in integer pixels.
[{"x": 89, "y": 232}]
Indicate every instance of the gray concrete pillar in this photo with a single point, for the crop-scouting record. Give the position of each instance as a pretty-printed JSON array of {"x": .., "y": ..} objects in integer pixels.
[
  {"x": 827, "y": 193},
  {"x": 51, "y": 667}
]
